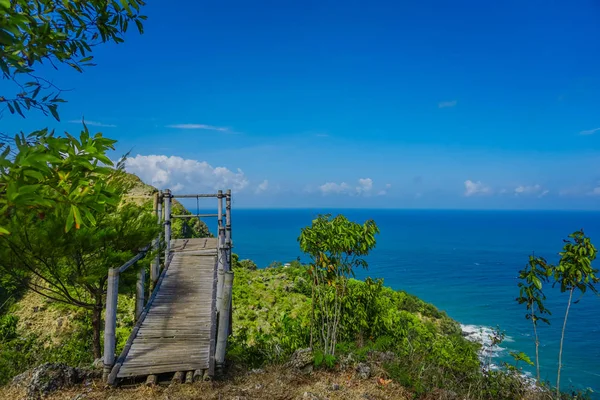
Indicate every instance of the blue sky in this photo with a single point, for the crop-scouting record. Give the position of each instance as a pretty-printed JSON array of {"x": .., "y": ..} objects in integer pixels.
[{"x": 464, "y": 104}]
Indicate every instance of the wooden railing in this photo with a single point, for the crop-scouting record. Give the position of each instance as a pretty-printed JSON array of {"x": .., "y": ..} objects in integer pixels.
[{"x": 162, "y": 209}]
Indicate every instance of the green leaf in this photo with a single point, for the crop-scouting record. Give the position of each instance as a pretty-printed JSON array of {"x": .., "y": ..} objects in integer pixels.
[
  {"x": 5, "y": 4},
  {"x": 52, "y": 109},
  {"x": 77, "y": 216},
  {"x": 4, "y": 231},
  {"x": 69, "y": 222}
]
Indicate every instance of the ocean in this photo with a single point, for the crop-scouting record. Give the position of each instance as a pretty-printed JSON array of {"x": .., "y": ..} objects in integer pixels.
[{"x": 464, "y": 262}]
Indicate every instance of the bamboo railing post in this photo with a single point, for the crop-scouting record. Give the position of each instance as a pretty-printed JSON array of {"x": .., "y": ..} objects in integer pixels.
[
  {"x": 229, "y": 246},
  {"x": 223, "y": 324},
  {"x": 155, "y": 270},
  {"x": 167, "y": 211},
  {"x": 228, "y": 228},
  {"x": 110, "y": 321},
  {"x": 139, "y": 292},
  {"x": 221, "y": 250}
]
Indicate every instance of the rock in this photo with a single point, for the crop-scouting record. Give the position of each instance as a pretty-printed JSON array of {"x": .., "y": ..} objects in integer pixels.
[
  {"x": 444, "y": 394},
  {"x": 346, "y": 361},
  {"x": 303, "y": 360},
  {"x": 335, "y": 386},
  {"x": 258, "y": 386},
  {"x": 257, "y": 371},
  {"x": 383, "y": 357},
  {"x": 46, "y": 379},
  {"x": 363, "y": 371}
]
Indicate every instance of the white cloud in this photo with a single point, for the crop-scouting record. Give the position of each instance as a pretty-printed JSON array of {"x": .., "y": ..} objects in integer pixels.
[
  {"x": 176, "y": 173},
  {"x": 596, "y": 191},
  {"x": 447, "y": 104},
  {"x": 475, "y": 188},
  {"x": 589, "y": 132},
  {"x": 533, "y": 190},
  {"x": 198, "y": 126},
  {"x": 388, "y": 185},
  {"x": 364, "y": 185},
  {"x": 262, "y": 187},
  {"x": 91, "y": 123},
  {"x": 334, "y": 188},
  {"x": 381, "y": 193}
]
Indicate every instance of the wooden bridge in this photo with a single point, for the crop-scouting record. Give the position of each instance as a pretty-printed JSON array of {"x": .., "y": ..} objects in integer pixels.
[{"x": 181, "y": 331}]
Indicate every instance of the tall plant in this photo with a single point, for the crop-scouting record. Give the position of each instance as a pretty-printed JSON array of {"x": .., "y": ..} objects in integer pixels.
[
  {"x": 532, "y": 277},
  {"x": 72, "y": 267},
  {"x": 337, "y": 247},
  {"x": 574, "y": 273}
]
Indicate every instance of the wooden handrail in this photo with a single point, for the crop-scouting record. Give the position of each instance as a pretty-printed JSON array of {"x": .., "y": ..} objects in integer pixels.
[{"x": 112, "y": 293}]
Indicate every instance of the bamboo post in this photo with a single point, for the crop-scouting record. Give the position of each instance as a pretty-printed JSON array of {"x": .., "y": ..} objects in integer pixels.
[
  {"x": 221, "y": 250},
  {"x": 167, "y": 210},
  {"x": 110, "y": 321},
  {"x": 139, "y": 292},
  {"x": 229, "y": 246},
  {"x": 228, "y": 228},
  {"x": 155, "y": 270},
  {"x": 223, "y": 324}
]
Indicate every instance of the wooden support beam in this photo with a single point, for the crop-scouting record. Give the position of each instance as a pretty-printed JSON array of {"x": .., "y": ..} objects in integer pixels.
[
  {"x": 178, "y": 377},
  {"x": 223, "y": 324},
  {"x": 221, "y": 250},
  {"x": 189, "y": 377},
  {"x": 194, "y": 215},
  {"x": 228, "y": 243},
  {"x": 206, "y": 376},
  {"x": 151, "y": 380},
  {"x": 140, "y": 292},
  {"x": 193, "y": 196},
  {"x": 155, "y": 270},
  {"x": 167, "y": 211},
  {"x": 110, "y": 321},
  {"x": 198, "y": 374}
]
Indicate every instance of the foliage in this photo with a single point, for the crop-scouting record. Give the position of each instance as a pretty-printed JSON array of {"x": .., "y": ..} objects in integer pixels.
[
  {"x": 183, "y": 228},
  {"x": 337, "y": 247},
  {"x": 45, "y": 174},
  {"x": 532, "y": 276},
  {"x": 574, "y": 272},
  {"x": 272, "y": 317},
  {"x": 72, "y": 267},
  {"x": 57, "y": 32}
]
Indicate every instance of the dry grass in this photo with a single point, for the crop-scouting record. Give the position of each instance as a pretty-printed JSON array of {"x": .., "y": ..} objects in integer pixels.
[
  {"x": 274, "y": 383},
  {"x": 37, "y": 316}
]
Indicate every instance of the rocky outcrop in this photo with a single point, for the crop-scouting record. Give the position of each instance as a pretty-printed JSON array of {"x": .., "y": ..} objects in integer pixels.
[
  {"x": 302, "y": 360},
  {"x": 47, "y": 378}
]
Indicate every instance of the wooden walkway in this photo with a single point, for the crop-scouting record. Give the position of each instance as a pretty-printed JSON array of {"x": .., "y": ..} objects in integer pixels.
[{"x": 178, "y": 331}]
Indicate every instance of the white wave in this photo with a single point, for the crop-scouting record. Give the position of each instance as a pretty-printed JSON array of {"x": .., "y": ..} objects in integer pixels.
[{"x": 483, "y": 335}]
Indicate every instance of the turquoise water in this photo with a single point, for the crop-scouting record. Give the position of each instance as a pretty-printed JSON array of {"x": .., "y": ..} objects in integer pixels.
[{"x": 464, "y": 262}]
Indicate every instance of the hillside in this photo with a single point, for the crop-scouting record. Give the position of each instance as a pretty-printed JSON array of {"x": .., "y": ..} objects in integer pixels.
[{"x": 391, "y": 344}]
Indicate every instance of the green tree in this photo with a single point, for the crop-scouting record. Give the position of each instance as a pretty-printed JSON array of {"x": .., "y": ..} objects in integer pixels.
[
  {"x": 574, "y": 272},
  {"x": 45, "y": 174},
  {"x": 55, "y": 32},
  {"x": 336, "y": 247},
  {"x": 532, "y": 277},
  {"x": 72, "y": 267}
]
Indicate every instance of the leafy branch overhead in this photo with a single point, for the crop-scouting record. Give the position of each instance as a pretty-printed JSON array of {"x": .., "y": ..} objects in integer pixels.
[
  {"x": 45, "y": 171},
  {"x": 38, "y": 31}
]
